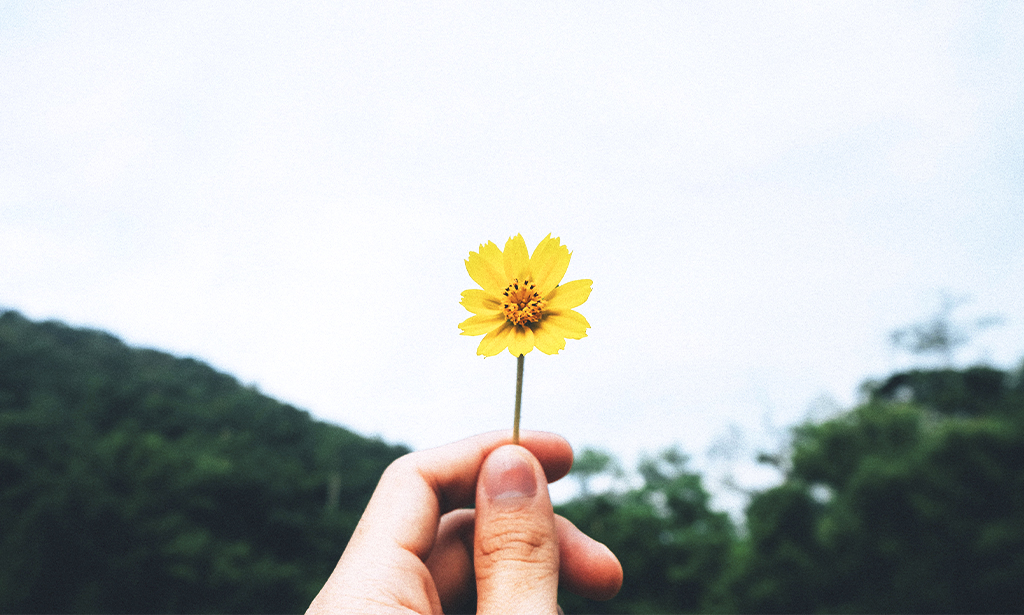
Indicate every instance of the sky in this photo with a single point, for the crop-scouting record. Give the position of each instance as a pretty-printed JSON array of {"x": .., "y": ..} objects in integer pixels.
[{"x": 760, "y": 192}]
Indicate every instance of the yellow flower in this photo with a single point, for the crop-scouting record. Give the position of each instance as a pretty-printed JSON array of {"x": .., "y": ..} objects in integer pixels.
[{"x": 520, "y": 303}]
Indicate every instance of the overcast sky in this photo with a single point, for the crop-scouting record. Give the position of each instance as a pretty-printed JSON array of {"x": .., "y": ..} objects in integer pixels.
[{"x": 760, "y": 192}]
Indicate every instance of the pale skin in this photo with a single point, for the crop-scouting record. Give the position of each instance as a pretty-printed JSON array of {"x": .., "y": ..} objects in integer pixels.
[{"x": 418, "y": 549}]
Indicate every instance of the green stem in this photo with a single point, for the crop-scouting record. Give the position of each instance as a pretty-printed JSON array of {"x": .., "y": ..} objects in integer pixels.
[{"x": 519, "y": 398}]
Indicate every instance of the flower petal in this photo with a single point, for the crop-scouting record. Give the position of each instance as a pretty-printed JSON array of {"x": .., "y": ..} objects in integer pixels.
[
  {"x": 482, "y": 323},
  {"x": 569, "y": 324},
  {"x": 546, "y": 341},
  {"x": 568, "y": 295},
  {"x": 517, "y": 259},
  {"x": 494, "y": 270},
  {"x": 481, "y": 302},
  {"x": 521, "y": 341},
  {"x": 548, "y": 264},
  {"x": 487, "y": 268},
  {"x": 496, "y": 341}
]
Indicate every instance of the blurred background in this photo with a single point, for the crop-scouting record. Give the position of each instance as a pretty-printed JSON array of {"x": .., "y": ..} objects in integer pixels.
[{"x": 777, "y": 204}]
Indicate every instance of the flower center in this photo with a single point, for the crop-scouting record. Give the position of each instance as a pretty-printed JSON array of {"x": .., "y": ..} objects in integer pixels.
[{"x": 522, "y": 303}]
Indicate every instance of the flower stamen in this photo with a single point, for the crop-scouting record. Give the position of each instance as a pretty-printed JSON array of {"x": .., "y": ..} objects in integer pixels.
[{"x": 523, "y": 305}]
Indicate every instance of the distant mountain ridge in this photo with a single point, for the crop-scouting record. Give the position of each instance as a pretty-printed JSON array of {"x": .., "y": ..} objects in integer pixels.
[{"x": 132, "y": 480}]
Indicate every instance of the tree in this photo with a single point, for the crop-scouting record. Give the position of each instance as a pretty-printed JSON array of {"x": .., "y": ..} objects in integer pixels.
[
  {"x": 591, "y": 463},
  {"x": 895, "y": 507},
  {"x": 671, "y": 545},
  {"x": 941, "y": 335}
]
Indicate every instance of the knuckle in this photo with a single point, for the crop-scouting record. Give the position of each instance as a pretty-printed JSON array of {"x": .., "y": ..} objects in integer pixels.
[
  {"x": 515, "y": 545},
  {"x": 406, "y": 465}
]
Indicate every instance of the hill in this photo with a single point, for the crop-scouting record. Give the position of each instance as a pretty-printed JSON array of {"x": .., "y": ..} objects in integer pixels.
[{"x": 135, "y": 481}]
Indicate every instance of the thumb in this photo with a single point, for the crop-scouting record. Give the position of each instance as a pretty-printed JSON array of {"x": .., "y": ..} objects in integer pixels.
[{"x": 515, "y": 549}]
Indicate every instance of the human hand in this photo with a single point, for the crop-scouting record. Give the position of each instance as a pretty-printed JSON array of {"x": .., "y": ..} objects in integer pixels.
[{"x": 418, "y": 549}]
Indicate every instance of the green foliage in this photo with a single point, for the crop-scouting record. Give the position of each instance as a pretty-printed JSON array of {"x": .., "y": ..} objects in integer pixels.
[
  {"x": 590, "y": 463},
  {"x": 912, "y": 502},
  {"x": 895, "y": 507},
  {"x": 671, "y": 545},
  {"x": 134, "y": 481},
  {"x": 974, "y": 391}
]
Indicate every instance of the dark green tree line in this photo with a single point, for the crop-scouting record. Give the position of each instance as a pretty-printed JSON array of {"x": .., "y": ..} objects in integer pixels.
[
  {"x": 134, "y": 481},
  {"x": 911, "y": 502}
]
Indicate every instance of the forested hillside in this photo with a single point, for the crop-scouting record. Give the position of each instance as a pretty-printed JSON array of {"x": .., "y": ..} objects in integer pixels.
[
  {"x": 135, "y": 481},
  {"x": 912, "y": 502}
]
